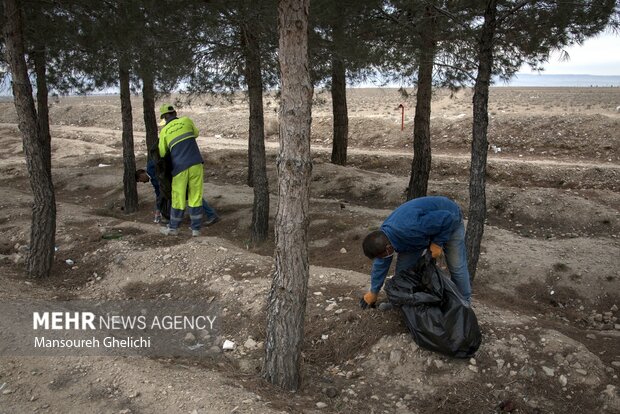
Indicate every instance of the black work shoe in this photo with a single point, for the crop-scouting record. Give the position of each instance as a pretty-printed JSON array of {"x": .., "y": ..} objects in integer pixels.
[{"x": 212, "y": 221}]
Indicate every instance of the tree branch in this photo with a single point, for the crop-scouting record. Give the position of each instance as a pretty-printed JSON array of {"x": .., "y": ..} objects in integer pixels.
[
  {"x": 510, "y": 12},
  {"x": 456, "y": 68}
]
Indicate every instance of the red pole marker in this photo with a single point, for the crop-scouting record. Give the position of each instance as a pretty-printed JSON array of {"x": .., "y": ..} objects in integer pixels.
[{"x": 402, "y": 117}]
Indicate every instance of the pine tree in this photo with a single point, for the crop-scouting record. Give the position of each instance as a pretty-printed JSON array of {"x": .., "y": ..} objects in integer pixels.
[
  {"x": 287, "y": 298},
  {"x": 164, "y": 52},
  {"x": 36, "y": 144},
  {"x": 105, "y": 39},
  {"x": 340, "y": 45},
  {"x": 416, "y": 36},
  {"x": 237, "y": 49},
  {"x": 513, "y": 33},
  {"x": 254, "y": 80},
  {"x": 421, "y": 164}
]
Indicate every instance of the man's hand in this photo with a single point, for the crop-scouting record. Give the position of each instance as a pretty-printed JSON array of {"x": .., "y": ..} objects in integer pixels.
[
  {"x": 368, "y": 300},
  {"x": 436, "y": 250}
]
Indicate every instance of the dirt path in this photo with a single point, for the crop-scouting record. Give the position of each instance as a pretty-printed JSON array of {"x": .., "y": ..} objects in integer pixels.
[{"x": 221, "y": 143}]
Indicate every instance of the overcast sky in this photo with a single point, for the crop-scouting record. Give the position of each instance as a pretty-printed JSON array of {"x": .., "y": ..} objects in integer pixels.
[{"x": 597, "y": 56}]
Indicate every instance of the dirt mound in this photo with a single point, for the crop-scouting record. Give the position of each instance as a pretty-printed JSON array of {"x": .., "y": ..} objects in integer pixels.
[{"x": 590, "y": 136}]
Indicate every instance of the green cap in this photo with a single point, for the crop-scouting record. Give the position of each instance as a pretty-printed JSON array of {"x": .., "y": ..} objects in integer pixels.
[{"x": 165, "y": 109}]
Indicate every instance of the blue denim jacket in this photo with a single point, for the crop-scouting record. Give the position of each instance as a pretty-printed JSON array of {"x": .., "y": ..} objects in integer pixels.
[{"x": 412, "y": 227}]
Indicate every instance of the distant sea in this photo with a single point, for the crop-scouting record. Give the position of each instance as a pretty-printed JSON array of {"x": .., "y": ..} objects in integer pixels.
[
  {"x": 519, "y": 80},
  {"x": 535, "y": 80}
]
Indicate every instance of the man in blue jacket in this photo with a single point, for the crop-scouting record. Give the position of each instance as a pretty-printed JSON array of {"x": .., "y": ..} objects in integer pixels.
[{"x": 434, "y": 223}]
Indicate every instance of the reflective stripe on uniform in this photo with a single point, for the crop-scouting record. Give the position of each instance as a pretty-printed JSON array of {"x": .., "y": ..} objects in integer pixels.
[{"x": 178, "y": 139}]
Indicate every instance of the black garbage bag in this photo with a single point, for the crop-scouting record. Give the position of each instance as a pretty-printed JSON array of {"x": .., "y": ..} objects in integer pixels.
[
  {"x": 435, "y": 312},
  {"x": 163, "y": 169}
]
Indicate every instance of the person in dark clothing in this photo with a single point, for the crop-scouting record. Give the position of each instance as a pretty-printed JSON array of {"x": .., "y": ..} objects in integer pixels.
[
  {"x": 434, "y": 223},
  {"x": 149, "y": 175}
]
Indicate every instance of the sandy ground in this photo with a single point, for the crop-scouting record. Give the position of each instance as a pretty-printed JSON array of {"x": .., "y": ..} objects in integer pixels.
[{"x": 546, "y": 294}]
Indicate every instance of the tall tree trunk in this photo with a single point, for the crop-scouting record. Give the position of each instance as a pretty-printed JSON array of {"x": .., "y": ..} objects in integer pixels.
[
  {"x": 253, "y": 74},
  {"x": 250, "y": 179},
  {"x": 40, "y": 64},
  {"x": 477, "y": 177},
  {"x": 129, "y": 158},
  {"x": 148, "y": 107},
  {"x": 339, "y": 99},
  {"x": 421, "y": 164},
  {"x": 287, "y": 298},
  {"x": 43, "y": 228}
]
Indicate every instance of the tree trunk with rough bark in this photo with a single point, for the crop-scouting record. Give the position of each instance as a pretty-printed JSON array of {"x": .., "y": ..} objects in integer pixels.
[
  {"x": 36, "y": 147},
  {"x": 148, "y": 108},
  {"x": 479, "y": 145},
  {"x": 287, "y": 298},
  {"x": 253, "y": 74},
  {"x": 40, "y": 66},
  {"x": 339, "y": 100},
  {"x": 421, "y": 164},
  {"x": 250, "y": 179},
  {"x": 129, "y": 158}
]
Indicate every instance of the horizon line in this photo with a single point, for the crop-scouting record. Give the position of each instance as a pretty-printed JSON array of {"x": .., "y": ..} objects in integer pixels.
[{"x": 563, "y": 74}]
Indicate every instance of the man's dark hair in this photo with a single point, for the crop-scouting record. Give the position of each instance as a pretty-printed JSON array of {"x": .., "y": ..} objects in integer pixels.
[
  {"x": 139, "y": 173},
  {"x": 375, "y": 244}
]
